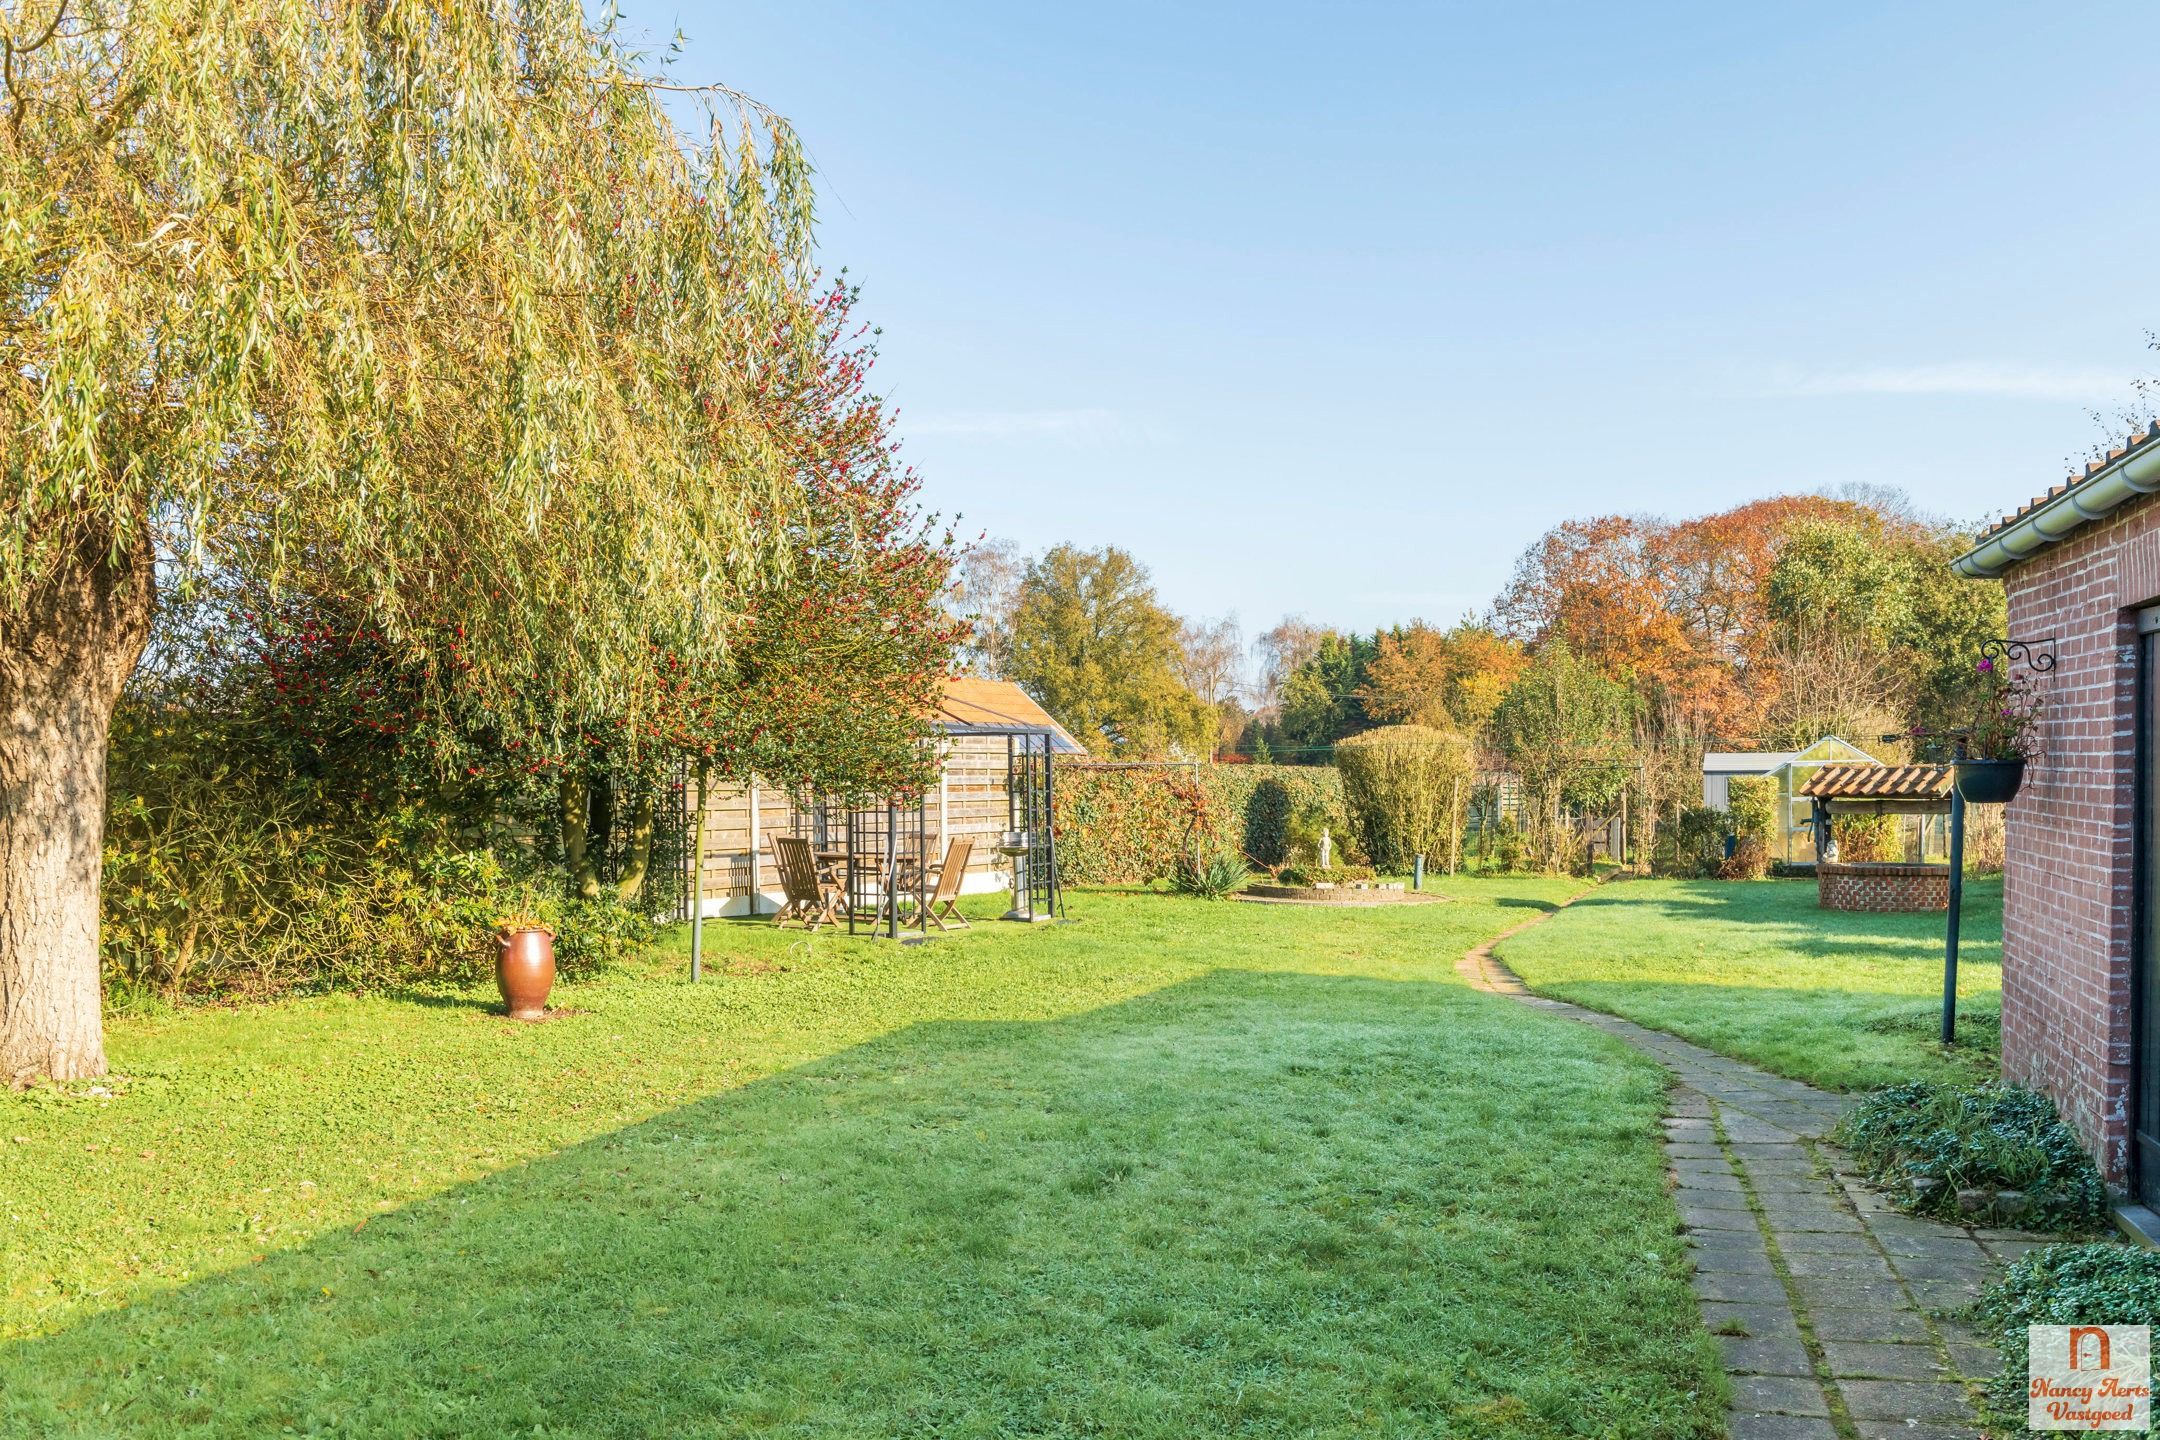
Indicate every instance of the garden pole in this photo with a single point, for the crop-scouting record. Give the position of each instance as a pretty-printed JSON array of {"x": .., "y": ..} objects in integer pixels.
[
  {"x": 1950, "y": 933},
  {"x": 1417, "y": 875},
  {"x": 892, "y": 870},
  {"x": 1455, "y": 827},
  {"x": 697, "y": 882}
]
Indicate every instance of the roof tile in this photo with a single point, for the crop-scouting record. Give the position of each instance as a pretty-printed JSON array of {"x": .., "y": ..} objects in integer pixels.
[
  {"x": 2130, "y": 442},
  {"x": 1879, "y": 782}
]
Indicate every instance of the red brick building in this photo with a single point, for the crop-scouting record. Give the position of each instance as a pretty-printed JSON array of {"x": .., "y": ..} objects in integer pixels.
[{"x": 2082, "y": 567}]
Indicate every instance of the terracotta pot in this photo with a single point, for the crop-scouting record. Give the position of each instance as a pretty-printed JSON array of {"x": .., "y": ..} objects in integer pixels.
[
  {"x": 1989, "y": 782},
  {"x": 525, "y": 971}
]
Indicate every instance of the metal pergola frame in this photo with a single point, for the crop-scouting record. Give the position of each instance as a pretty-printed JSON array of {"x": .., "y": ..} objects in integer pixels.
[
  {"x": 888, "y": 868},
  {"x": 1030, "y": 803}
]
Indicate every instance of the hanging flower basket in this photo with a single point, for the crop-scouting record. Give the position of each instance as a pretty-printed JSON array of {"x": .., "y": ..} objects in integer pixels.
[{"x": 1990, "y": 782}]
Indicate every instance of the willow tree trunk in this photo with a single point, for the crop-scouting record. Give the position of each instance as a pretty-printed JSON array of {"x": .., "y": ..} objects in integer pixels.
[
  {"x": 639, "y": 860},
  {"x": 62, "y": 666},
  {"x": 579, "y": 852}
]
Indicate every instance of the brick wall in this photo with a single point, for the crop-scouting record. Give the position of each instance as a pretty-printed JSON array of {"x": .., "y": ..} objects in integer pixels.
[
  {"x": 2069, "y": 838},
  {"x": 1882, "y": 887}
]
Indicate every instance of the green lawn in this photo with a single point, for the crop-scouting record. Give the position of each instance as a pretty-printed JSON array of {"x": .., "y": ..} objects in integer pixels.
[
  {"x": 1174, "y": 1169},
  {"x": 1757, "y": 971}
]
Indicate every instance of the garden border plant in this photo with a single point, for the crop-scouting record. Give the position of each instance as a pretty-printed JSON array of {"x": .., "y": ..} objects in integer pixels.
[
  {"x": 2104, "y": 1283},
  {"x": 1992, "y": 1151},
  {"x": 1751, "y": 805}
]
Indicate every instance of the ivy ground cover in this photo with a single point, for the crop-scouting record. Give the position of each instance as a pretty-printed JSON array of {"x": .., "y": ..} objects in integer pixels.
[
  {"x": 1176, "y": 1168},
  {"x": 1755, "y": 970}
]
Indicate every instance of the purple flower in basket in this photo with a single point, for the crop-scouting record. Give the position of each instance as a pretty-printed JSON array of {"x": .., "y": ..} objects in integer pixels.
[{"x": 1985, "y": 665}]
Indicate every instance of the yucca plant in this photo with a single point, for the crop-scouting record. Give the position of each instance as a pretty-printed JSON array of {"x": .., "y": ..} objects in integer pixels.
[{"x": 1211, "y": 877}]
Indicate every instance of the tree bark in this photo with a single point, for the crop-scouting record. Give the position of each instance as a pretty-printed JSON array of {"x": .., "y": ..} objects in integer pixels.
[
  {"x": 62, "y": 666},
  {"x": 578, "y": 853},
  {"x": 639, "y": 860}
]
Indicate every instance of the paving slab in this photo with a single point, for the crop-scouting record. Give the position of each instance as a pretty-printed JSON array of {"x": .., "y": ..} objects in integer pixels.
[
  {"x": 1978, "y": 1269},
  {"x": 1710, "y": 1217},
  {"x": 1905, "y": 1400},
  {"x": 1848, "y": 1292},
  {"x": 1858, "y": 1265},
  {"x": 1765, "y": 1357},
  {"x": 1738, "y": 1289},
  {"x": 1911, "y": 1430},
  {"x": 1975, "y": 1362},
  {"x": 1744, "y": 1426},
  {"x": 1752, "y": 1322},
  {"x": 1873, "y": 1360},
  {"x": 1732, "y": 1262},
  {"x": 1825, "y": 1242},
  {"x": 1868, "y": 1323},
  {"x": 1778, "y": 1395}
]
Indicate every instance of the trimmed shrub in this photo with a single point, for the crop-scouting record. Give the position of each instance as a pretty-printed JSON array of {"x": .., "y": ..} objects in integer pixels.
[
  {"x": 1406, "y": 787},
  {"x": 2102, "y": 1284},
  {"x": 1927, "y": 1142},
  {"x": 1863, "y": 839},
  {"x": 1266, "y": 803},
  {"x": 1692, "y": 845},
  {"x": 1751, "y": 805},
  {"x": 1122, "y": 826},
  {"x": 1332, "y": 875}
]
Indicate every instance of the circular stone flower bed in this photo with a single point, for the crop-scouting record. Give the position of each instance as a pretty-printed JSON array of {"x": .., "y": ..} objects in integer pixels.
[{"x": 1374, "y": 893}]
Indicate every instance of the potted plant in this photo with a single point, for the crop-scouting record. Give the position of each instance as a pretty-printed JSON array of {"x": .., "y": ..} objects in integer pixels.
[
  {"x": 524, "y": 966},
  {"x": 2005, "y": 735}
]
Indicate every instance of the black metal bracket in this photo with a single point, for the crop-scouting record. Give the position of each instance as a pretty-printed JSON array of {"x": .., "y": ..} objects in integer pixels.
[{"x": 2037, "y": 656}]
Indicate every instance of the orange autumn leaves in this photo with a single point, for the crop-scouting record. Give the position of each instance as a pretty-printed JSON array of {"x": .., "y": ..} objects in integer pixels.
[{"x": 1679, "y": 609}]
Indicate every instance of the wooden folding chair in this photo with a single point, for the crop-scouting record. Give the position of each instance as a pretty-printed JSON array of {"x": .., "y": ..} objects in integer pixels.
[
  {"x": 811, "y": 900},
  {"x": 944, "y": 900}
]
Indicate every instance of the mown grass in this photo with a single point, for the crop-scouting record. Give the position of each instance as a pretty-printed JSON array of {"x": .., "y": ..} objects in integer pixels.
[
  {"x": 1757, "y": 971},
  {"x": 1178, "y": 1168}
]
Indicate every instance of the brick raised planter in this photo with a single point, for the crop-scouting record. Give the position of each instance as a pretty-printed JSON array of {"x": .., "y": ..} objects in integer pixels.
[{"x": 1882, "y": 886}]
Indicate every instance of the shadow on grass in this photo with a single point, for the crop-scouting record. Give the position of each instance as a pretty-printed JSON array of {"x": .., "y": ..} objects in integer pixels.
[
  {"x": 1759, "y": 971},
  {"x": 1270, "y": 1204},
  {"x": 1519, "y": 902},
  {"x": 447, "y": 1000},
  {"x": 1784, "y": 913}
]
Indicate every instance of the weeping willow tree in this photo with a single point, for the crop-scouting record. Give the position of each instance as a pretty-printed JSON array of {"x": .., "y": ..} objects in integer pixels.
[{"x": 424, "y": 306}]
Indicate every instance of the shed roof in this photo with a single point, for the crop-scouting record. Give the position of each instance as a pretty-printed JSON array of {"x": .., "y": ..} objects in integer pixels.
[
  {"x": 969, "y": 705},
  {"x": 1745, "y": 762},
  {"x": 1880, "y": 782},
  {"x": 1763, "y": 762}
]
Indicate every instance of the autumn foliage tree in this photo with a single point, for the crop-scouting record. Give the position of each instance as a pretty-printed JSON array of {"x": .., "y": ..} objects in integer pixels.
[
  {"x": 1096, "y": 647},
  {"x": 1444, "y": 679},
  {"x": 424, "y": 307},
  {"x": 1769, "y": 624}
]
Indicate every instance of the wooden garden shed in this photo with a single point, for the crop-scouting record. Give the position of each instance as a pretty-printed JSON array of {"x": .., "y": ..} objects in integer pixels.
[{"x": 984, "y": 727}]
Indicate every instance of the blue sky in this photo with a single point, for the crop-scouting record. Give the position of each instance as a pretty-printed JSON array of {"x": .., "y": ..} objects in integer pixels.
[{"x": 1332, "y": 309}]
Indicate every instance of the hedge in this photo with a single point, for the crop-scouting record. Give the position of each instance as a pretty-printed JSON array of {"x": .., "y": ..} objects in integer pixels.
[
  {"x": 1126, "y": 826},
  {"x": 1405, "y": 786}
]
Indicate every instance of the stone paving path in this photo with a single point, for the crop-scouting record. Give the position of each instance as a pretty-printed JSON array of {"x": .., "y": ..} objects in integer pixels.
[{"x": 1825, "y": 1300}]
